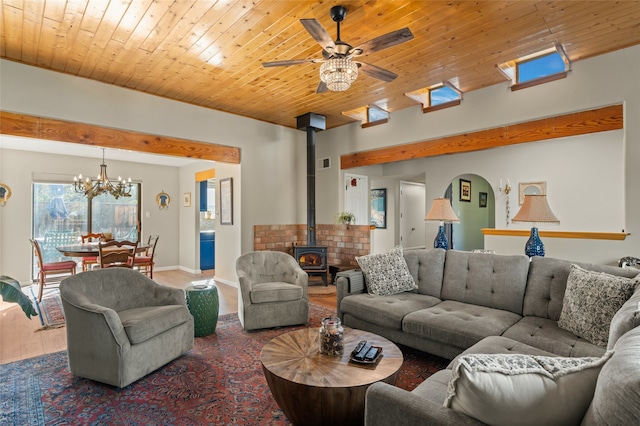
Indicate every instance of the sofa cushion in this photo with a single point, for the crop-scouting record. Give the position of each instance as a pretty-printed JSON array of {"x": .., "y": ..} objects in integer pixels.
[
  {"x": 386, "y": 311},
  {"x": 458, "y": 324},
  {"x": 615, "y": 401},
  {"x": 142, "y": 324},
  {"x": 434, "y": 388},
  {"x": 590, "y": 302},
  {"x": 386, "y": 273},
  {"x": 494, "y": 281},
  {"x": 547, "y": 282},
  {"x": 627, "y": 318},
  {"x": 536, "y": 390},
  {"x": 275, "y": 292},
  {"x": 427, "y": 269},
  {"x": 543, "y": 333}
]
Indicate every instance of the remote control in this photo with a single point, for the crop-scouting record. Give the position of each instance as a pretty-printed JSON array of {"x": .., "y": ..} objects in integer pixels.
[
  {"x": 359, "y": 347},
  {"x": 371, "y": 355},
  {"x": 362, "y": 352}
]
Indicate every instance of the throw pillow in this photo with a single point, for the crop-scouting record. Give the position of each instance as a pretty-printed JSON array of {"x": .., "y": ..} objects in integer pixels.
[
  {"x": 510, "y": 389},
  {"x": 591, "y": 299},
  {"x": 386, "y": 273}
]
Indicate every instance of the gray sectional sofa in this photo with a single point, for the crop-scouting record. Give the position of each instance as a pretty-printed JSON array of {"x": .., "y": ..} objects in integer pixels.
[{"x": 484, "y": 303}]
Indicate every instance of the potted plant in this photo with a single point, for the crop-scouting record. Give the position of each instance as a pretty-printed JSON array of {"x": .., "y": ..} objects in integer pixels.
[
  {"x": 346, "y": 218},
  {"x": 11, "y": 292}
]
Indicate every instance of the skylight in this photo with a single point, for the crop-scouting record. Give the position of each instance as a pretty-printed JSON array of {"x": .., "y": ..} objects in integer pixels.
[
  {"x": 442, "y": 95},
  {"x": 438, "y": 96},
  {"x": 540, "y": 67}
]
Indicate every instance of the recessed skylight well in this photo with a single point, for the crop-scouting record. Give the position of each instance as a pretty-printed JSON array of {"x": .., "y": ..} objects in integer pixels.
[{"x": 541, "y": 67}]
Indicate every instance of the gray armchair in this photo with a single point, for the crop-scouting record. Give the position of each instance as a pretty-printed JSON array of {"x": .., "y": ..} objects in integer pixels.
[
  {"x": 121, "y": 325},
  {"x": 273, "y": 290}
]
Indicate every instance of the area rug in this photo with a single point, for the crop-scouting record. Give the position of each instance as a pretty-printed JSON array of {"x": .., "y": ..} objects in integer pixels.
[
  {"x": 49, "y": 308},
  {"x": 219, "y": 382}
]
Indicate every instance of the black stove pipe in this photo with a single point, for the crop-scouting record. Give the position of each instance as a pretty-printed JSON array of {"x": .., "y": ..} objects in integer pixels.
[{"x": 311, "y": 123}]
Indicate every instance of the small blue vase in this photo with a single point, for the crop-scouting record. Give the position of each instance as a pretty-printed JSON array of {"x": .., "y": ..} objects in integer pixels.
[
  {"x": 441, "y": 239},
  {"x": 534, "y": 246}
]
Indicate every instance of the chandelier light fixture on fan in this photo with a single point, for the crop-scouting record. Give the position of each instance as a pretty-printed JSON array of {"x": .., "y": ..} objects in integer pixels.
[
  {"x": 339, "y": 67},
  {"x": 101, "y": 185},
  {"x": 338, "y": 74}
]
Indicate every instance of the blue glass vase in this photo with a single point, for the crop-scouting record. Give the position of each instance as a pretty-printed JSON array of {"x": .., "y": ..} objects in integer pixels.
[
  {"x": 441, "y": 239},
  {"x": 534, "y": 246}
]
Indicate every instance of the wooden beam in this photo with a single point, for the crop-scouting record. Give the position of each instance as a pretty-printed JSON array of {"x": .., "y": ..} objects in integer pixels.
[
  {"x": 89, "y": 134},
  {"x": 616, "y": 236},
  {"x": 579, "y": 123},
  {"x": 205, "y": 175}
]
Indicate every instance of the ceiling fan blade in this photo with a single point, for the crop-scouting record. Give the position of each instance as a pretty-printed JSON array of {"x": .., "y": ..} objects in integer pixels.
[
  {"x": 377, "y": 72},
  {"x": 322, "y": 87},
  {"x": 318, "y": 33},
  {"x": 384, "y": 41},
  {"x": 289, "y": 62}
]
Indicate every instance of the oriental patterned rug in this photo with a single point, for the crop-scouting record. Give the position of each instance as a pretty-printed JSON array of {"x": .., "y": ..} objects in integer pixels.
[
  {"x": 49, "y": 308},
  {"x": 219, "y": 382}
]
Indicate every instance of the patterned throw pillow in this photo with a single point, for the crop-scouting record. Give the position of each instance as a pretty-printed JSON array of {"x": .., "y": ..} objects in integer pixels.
[
  {"x": 535, "y": 390},
  {"x": 591, "y": 299},
  {"x": 386, "y": 273}
]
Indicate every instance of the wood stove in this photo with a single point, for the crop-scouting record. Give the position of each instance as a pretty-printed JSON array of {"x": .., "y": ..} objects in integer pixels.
[{"x": 313, "y": 260}]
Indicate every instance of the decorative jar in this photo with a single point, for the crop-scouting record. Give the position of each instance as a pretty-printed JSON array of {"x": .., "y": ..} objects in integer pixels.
[{"x": 331, "y": 336}]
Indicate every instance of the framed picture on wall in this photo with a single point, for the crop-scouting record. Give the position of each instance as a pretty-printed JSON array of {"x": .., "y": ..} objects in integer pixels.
[
  {"x": 379, "y": 208},
  {"x": 465, "y": 190},
  {"x": 186, "y": 199},
  {"x": 482, "y": 199},
  {"x": 226, "y": 201}
]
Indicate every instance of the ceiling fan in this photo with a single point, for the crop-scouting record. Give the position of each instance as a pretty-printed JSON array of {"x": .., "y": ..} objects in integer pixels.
[{"x": 338, "y": 70}]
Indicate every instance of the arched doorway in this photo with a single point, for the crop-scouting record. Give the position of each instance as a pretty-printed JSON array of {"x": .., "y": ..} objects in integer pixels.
[{"x": 473, "y": 201}]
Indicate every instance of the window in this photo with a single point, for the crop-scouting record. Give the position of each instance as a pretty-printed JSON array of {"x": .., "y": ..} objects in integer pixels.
[
  {"x": 62, "y": 215},
  {"x": 368, "y": 115},
  {"x": 438, "y": 96},
  {"x": 540, "y": 67}
]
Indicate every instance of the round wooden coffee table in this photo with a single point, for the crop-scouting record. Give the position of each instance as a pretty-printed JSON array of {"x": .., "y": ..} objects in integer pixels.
[{"x": 315, "y": 389}]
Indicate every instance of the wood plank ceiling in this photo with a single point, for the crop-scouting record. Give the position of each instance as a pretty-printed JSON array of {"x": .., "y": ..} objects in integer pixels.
[{"x": 209, "y": 53}]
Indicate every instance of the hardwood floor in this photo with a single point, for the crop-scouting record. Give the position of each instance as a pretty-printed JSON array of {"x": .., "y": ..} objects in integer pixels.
[{"x": 20, "y": 337}]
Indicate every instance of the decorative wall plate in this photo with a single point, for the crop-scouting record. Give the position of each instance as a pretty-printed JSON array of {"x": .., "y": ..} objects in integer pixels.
[
  {"x": 162, "y": 200},
  {"x": 5, "y": 194}
]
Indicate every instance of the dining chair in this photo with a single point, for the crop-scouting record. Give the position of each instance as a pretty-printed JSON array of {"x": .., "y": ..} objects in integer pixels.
[
  {"x": 117, "y": 253},
  {"x": 89, "y": 261},
  {"x": 144, "y": 263},
  {"x": 66, "y": 267}
]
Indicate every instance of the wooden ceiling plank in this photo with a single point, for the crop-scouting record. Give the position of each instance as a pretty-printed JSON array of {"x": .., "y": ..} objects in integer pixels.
[
  {"x": 94, "y": 15},
  {"x": 3, "y": 44},
  {"x": 67, "y": 33},
  {"x": 32, "y": 15},
  {"x": 13, "y": 26},
  {"x": 127, "y": 25},
  {"x": 87, "y": 134},
  {"x": 82, "y": 46}
]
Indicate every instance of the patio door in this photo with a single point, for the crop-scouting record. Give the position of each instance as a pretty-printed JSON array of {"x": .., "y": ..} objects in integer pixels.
[{"x": 61, "y": 216}]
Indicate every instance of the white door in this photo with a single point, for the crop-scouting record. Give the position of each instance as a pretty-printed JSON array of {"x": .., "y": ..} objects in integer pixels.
[
  {"x": 356, "y": 197},
  {"x": 412, "y": 213}
]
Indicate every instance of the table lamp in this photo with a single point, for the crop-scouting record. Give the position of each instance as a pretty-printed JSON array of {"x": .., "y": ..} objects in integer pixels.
[
  {"x": 441, "y": 210},
  {"x": 535, "y": 209}
]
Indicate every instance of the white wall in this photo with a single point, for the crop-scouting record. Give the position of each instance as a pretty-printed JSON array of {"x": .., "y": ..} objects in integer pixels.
[
  {"x": 17, "y": 169},
  {"x": 271, "y": 179},
  {"x": 591, "y": 179}
]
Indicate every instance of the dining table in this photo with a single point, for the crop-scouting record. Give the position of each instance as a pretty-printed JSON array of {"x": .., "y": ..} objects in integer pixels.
[{"x": 89, "y": 249}]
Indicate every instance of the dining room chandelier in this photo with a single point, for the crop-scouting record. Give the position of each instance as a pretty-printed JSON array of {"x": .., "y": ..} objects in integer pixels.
[
  {"x": 102, "y": 185},
  {"x": 338, "y": 73}
]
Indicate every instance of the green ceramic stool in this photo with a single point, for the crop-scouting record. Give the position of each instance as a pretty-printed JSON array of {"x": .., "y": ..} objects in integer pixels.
[{"x": 202, "y": 301}]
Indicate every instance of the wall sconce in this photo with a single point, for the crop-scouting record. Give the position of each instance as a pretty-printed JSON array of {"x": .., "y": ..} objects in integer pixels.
[{"x": 506, "y": 189}]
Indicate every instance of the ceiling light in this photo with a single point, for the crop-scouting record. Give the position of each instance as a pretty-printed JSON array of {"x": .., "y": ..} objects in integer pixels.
[
  {"x": 338, "y": 73},
  {"x": 101, "y": 185}
]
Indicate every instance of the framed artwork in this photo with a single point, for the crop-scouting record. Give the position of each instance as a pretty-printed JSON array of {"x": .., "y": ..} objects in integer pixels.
[
  {"x": 5, "y": 194},
  {"x": 186, "y": 199},
  {"x": 482, "y": 199},
  {"x": 531, "y": 188},
  {"x": 379, "y": 208},
  {"x": 465, "y": 190},
  {"x": 162, "y": 200},
  {"x": 226, "y": 201}
]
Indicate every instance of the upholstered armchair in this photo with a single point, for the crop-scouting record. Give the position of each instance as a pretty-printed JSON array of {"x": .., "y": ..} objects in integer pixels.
[
  {"x": 273, "y": 290},
  {"x": 121, "y": 325}
]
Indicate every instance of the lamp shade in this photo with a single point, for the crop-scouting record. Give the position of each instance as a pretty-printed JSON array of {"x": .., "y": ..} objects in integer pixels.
[
  {"x": 535, "y": 209},
  {"x": 441, "y": 210}
]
